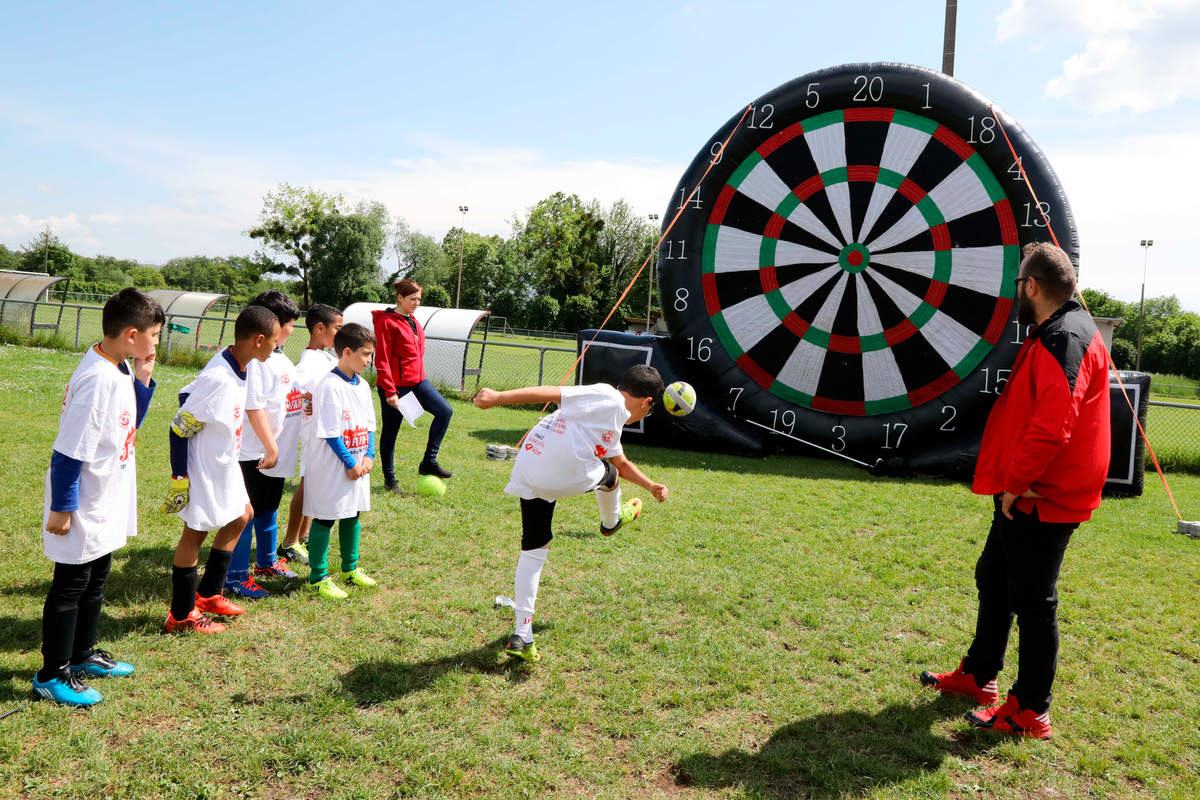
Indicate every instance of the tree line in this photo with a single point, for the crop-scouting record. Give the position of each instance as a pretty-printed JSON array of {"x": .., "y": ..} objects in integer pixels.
[{"x": 563, "y": 267}]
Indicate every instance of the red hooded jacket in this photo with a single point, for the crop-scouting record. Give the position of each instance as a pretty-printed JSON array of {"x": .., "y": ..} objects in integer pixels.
[
  {"x": 1049, "y": 430},
  {"x": 399, "y": 350}
]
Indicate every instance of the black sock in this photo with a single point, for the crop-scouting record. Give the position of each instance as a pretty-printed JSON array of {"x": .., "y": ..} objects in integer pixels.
[
  {"x": 183, "y": 591},
  {"x": 215, "y": 572}
]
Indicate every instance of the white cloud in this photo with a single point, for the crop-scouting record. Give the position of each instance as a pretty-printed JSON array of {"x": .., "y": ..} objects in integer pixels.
[
  {"x": 1138, "y": 55},
  {"x": 1115, "y": 207}
]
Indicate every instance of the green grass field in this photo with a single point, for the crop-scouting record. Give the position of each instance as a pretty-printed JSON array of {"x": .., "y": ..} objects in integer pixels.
[{"x": 757, "y": 636}]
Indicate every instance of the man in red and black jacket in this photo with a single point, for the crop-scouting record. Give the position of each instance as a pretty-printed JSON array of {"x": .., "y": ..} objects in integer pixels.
[{"x": 1044, "y": 459}]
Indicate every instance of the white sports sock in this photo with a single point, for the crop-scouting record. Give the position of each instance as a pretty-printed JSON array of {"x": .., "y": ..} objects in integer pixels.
[
  {"x": 610, "y": 506},
  {"x": 525, "y": 587}
]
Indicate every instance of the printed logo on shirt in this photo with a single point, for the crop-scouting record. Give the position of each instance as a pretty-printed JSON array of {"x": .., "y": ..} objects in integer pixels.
[
  {"x": 355, "y": 439},
  {"x": 601, "y": 452},
  {"x": 295, "y": 401},
  {"x": 607, "y": 437},
  {"x": 237, "y": 435},
  {"x": 237, "y": 414},
  {"x": 346, "y": 415},
  {"x": 130, "y": 444},
  {"x": 124, "y": 419}
]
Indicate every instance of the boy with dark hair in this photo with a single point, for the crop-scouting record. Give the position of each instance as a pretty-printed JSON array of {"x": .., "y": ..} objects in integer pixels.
[
  {"x": 91, "y": 494},
  {"x": 576, "y": 449},
  {"x": 323, "y": 322},
  {"x": 337, "y": 469},
  {"x": 207, "y": 489},
  {"x": 274, "y": 406}
]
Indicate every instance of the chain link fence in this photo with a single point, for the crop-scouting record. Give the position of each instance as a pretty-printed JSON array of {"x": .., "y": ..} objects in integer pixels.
[
  {"x": 501, "y": 361},
  {"x": 507, "y": 360}
]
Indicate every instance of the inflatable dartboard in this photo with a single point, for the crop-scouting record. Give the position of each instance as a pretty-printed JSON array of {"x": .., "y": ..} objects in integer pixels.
[{"x": 845, "y": 275}]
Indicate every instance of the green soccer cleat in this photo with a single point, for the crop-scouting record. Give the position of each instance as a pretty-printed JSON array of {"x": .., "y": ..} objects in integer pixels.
[
  {"x": 360, "y": 579},
  {"x": 327, "y": 589},
  {"x": 630, "y": 510},
  {"x": 293, "y": 552},
  {"x": 518, "y": 648}
]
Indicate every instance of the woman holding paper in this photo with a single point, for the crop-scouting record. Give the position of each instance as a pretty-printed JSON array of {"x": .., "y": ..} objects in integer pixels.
[{"x": 400, "y": 379}]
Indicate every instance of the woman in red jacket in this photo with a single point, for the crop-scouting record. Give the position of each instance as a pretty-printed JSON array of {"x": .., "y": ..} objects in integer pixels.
[{"x": 400, "y": 369}]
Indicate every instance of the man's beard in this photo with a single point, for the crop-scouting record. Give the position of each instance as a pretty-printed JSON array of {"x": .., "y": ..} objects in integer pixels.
[{"x": 1025, "y": 313}]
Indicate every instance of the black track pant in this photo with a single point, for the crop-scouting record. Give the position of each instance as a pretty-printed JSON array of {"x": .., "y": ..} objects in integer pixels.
[
  {"x": 71, "y": 615},
  {"x": 1017, "y": 577}
]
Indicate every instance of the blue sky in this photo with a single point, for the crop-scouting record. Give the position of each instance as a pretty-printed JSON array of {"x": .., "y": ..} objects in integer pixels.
[{"x": 153, "y": 130}]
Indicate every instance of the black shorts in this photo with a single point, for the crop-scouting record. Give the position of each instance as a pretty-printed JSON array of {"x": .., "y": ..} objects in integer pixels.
[
  {"x": 537, "y": 515},
  {"x": 265, "y": 492}
]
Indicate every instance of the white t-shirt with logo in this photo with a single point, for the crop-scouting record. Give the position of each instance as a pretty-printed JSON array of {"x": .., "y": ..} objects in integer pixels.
[
  {"x": 272, "y": 386},
  {"x": 98, "y": 426},
  {"x": 314, "y": 365},
  {"x": 216, "y": 398},
  {"x": 562, "y": 455},
  {"x": 342, "y": 409}
]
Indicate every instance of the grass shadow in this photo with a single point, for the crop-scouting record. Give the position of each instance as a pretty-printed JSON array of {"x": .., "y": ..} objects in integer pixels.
[
  {"x": 374, "y": 682},
  {"x": 837, "y": 755},
  {"x": 143, "y": 573}
]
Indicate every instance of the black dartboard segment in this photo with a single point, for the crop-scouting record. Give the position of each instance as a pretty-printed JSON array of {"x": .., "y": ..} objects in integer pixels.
[{"x": 846, "y": 270}]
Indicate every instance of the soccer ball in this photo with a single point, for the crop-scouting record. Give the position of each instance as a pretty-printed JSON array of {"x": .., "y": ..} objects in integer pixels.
[
  {"x": 679, "y": 399},
  {"x": 431, "y": 486}
]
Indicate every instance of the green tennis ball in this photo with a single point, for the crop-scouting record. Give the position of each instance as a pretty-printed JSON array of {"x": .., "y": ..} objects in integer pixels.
[
  {"x": 679, "y": 399},
  {"x": 431, "y": 486}
]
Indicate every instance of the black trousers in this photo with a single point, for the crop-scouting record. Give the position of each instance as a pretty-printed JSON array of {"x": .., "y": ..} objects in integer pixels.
[
  {"x": 71, "y": 615},
  {"x": 432, "y": 401},
  {"x": 1017, "y": 577}
]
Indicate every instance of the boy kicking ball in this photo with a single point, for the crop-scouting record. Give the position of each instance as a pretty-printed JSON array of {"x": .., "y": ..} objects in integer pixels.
[
  {"x": 91, "y": 494},
  {"x": 575, "y": 450}
]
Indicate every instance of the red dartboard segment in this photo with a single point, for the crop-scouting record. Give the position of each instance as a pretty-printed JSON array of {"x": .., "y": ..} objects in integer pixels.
[
  {"x": 722, "y": 204},
  {"x": 935, "y": 389},
  {"x": 756, "y": 373},
  {"x": 869, "y": 114},
  {"x": 1008, "y": 225},
  {"x": 954, "y": 142}
]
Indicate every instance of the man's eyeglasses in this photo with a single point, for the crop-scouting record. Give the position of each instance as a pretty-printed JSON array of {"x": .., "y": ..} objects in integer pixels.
[{"x": 1017, "y": 281}]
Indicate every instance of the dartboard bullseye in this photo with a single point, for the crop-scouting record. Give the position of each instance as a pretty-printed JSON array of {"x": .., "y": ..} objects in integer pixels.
[{"x": 845, "y": 272}]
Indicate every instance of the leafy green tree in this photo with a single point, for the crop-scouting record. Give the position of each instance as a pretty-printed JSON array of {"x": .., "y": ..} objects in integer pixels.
[
  {"x": 289, "y": 222},
  {"x": 9, "y": 259},
  {"x": 558, "y": 239},
  {"x": 436, "y": 296},
  {"x": 579, "y": 312},
  {"x": 345, "y": 257},
  {"x": 543, "y": 313},
  {"x": 418, "y": 257},
  {"x": 147, "y": 278},
  {"x": 1123, "y": 353},
  {"x": 47, "y": 253},
  {"x": 624, "y": 243}
]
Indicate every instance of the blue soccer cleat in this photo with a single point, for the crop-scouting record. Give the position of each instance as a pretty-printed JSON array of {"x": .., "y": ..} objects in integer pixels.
[
  {"x": 101, "y": 664},
  {"x": 66, "y": 692},
  {"x": 247, "y": 588}
]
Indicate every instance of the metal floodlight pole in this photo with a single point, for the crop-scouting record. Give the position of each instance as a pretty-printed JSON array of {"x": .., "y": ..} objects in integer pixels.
[
  {"x": 653, "y": 266},
  {"x": 1146, "y": 245},
  {"x": 948, "y": 37},
  {"x": 462, "y": 234}
]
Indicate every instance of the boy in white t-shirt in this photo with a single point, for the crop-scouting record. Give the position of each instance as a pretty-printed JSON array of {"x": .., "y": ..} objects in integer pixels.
[
  {"x": 323, "y": 322},
  {"x": 337, "y": 466},
  {"x": 91, "y": 494},
  {"x": 572, "y": 451},
  {"x": 207, "y": 489},
  {"x": 274, "y": 408}
]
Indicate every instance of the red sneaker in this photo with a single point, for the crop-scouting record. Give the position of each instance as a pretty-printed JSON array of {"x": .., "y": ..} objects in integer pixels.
[
  {"x": 1012, "y": 719},
  {"x": 217, "y": 604},
  {"x": 961, "y": 683},
  {"x": 193, "y": 622}
]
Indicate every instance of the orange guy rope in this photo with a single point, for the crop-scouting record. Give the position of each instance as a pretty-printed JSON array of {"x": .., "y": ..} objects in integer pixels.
[
  {"x": 1111, "y": 364},
  {"x": 712, "y": 162}
]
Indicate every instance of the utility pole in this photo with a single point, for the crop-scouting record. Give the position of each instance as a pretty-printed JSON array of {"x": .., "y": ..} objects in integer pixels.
[
  {"x": 653, "y": 266},
  {"x": 948, "y": 40},
  {"x": 1146, "y": 245},
  {"x": 462, "y": 234}
]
